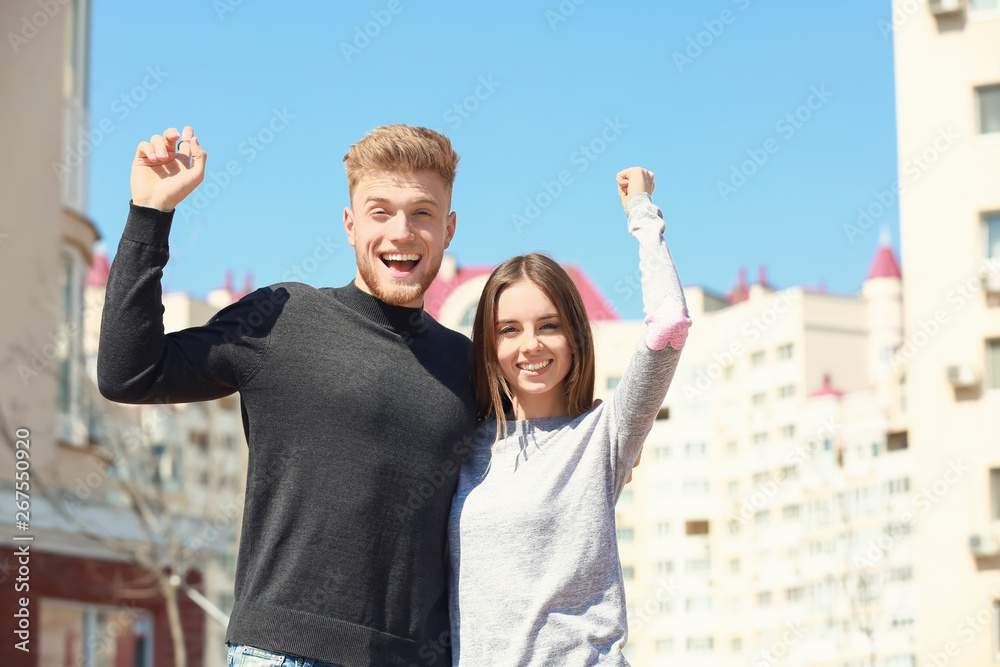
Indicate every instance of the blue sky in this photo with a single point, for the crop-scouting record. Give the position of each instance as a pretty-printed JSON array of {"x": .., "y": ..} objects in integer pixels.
[{"x": 278, "y": 92}]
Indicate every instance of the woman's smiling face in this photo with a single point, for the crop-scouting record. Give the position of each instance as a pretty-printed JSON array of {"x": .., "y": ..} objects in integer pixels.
[{"x": 533, "y": 351}]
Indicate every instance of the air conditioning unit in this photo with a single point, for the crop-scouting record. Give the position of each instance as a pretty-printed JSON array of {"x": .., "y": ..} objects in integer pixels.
[
  {"x": 940, "y": 7},
  {"x": 983, "y": 545},
  {"x": 991, "y": 282},
  {"x": 962, "y": 375}
]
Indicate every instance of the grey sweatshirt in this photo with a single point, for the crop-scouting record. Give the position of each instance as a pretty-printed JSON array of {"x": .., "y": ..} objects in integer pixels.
[{"x": 534, "y": 573}]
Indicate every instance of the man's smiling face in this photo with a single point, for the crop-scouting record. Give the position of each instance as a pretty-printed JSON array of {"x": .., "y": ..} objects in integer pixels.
[{"x": 399, "y": 225}]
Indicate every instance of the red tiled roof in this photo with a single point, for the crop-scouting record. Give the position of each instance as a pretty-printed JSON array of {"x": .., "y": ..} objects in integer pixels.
[
  {"x": 740, "y": 291},
  {"x": 97, "y": 275},
  {"x": 441, "y": 289},
  {"x": 827, "y": 389},
  {"x": 598, "y": 309},
  {"x": 884, "y": 265}
]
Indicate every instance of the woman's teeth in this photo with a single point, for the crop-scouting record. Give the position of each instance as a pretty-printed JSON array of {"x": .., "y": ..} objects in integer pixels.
[{"x": 534, "y": 366}]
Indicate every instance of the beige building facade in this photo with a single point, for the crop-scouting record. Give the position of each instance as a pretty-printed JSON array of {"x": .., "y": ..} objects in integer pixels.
[{"x": 948, "y": 85}]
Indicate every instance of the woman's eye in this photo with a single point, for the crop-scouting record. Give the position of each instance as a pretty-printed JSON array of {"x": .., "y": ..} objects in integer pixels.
[
  {"x": 550, "y": 325},
  {"x": 507, "y": 330}
]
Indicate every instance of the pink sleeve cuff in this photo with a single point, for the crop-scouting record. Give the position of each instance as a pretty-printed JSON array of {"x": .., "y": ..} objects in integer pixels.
[{"x": 668, "y": 324}]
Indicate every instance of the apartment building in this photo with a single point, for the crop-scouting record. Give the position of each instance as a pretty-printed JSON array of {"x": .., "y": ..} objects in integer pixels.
[
  {"x": 947, "y": 59},
  {"x": 69, "y": 584}
]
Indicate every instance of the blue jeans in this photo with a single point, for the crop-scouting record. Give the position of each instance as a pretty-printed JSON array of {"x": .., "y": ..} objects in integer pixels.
[{"x": 241, "y": 655}]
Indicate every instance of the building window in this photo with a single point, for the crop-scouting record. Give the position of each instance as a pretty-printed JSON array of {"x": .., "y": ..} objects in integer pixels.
[
  {"x": 902, "y": 622},
  {"x": 762, "y": 517},
  {"x": 996, "y": 629},
  {"x": 757, "y": 358},
  {"x": 661, "y": 452},
  {"x": 613, "y": 381},
  {"x": 736, "y": 644},
  {"x": 663, "y": 529},
  {"x": 626, "y": 534},
  {"x": 696, "y": 528},
  {"x": 71, "y": 422},
  {"x": 760, "y": 438},
  {"x": 699, "y": 603},
  {"x": 627, "y": 497},
  {"x": 896, "y": 441},
  {"x": 699, "y": 644},
  {"x": 760, "y": 478},
  {"x": 790, "y": 512},
  {"x": 734, "y": 490},
  {"x": 469, "y": 316},
  {"x": 785, "y": 352},
  {"x": 993, "y": 363},
  {"x": 991, "y": 235},
  {"x": 995, "y": 494},
  {"x": 734, "y": 565},
  {"x": 734, "y": 527},
  {"x": 628, "y": 573},
  {"x": 731, "y": 448},
  {"x": 664, "y": 567},
  {"x": 695, "y": 450},
  {"x": 764, "y": 599},
  {"x": 74, "y": 634},
  {"x": 989, "y": 109},
  {"x": 788, "y": 431},
  {"x": 901, "y": 485},
  {"x": 983, "y": 5},
  {"x": 757, "y": 399},
  {"x": 794, "y": 594},
  {"x": 664, "y": 646},
  {"x": 886, "y": 354},
  {"x": 663, "y": 414},
  {"x": 788, "y": 472},
  {"x": 695, "y": 487},
  {"x": 786, "y": 391},
  {"x": 698, "y": 565}
]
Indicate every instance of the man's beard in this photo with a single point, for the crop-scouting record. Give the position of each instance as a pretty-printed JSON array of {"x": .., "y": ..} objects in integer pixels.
[{"x": 395, "y": 294}]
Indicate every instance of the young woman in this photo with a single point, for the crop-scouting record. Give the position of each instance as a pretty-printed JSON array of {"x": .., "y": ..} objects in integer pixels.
[{"x": 535, "y": 576}]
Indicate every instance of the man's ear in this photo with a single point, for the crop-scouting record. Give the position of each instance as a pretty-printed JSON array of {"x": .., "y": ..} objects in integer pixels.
[
  {"x": 449, "y": 233},
  {"x": 349, "y": 224}
]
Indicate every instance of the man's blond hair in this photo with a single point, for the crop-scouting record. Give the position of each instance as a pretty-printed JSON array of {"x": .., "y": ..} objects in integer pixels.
[{"x": 401, "y": 149}]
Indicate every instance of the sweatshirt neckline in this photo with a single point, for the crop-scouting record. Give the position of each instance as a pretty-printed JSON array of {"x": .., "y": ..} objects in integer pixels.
[
  {"x": 397, "y": 318},
  {"x": 524, "y": 426}
]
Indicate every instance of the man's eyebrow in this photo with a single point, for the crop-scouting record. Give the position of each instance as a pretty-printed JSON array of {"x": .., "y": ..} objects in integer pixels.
[{"x": 384, "y": 200}]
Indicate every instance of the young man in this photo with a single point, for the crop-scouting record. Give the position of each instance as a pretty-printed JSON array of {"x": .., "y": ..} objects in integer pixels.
[{"x": 357, "y": 407}]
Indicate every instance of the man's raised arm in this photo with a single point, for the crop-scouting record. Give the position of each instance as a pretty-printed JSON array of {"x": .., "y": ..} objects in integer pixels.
[{"x": 136, "y": 362}]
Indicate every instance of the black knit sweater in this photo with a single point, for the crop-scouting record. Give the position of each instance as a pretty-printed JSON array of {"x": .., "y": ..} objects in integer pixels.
[{"x": 357, "y": 413}]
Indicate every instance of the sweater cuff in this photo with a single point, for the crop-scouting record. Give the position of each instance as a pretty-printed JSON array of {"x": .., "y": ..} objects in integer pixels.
[
  {"x": 638, "y": 199},
  {"x": 147, "y": 225}
]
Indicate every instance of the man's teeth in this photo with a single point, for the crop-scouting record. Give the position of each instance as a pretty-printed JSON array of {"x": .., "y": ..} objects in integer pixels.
[
  {"x": 400, "y": 257},
  {"x": 535, "y": 366}
]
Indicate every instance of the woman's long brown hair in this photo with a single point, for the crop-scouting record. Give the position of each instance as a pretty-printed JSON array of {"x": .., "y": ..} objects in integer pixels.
[{"x": 493, "y": 395}]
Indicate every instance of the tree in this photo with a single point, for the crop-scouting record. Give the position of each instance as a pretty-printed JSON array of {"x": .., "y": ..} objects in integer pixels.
[{"x": 169, "y": 544}]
